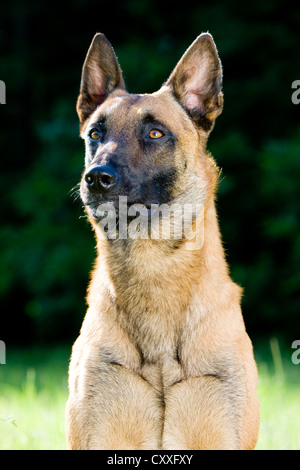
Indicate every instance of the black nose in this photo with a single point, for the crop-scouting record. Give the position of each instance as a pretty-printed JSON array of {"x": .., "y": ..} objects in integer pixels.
[{"x": 101, "y": 178}]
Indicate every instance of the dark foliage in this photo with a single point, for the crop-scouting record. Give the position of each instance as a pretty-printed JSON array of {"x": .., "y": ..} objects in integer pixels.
[{"x": 46, "y": 246}]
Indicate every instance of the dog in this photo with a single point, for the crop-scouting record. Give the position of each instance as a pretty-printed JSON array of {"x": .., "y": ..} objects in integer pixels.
[{"x": 163, "y": 360}]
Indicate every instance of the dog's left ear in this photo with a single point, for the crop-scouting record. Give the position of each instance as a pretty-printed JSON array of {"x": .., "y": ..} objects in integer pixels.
[
  {"x": 196, "y": 81},
  {"x": 101, "y": 74}
]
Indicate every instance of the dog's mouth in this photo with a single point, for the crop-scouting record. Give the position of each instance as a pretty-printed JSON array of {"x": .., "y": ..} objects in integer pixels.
[
  {"x": 120, "y": 209},
  {"x": 121, "y": 220}
]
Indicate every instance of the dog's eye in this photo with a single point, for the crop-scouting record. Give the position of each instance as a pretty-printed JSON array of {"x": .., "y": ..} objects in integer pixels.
[
  {"x": 156, "y": 134},
  {"x": 95, "y": 134}
]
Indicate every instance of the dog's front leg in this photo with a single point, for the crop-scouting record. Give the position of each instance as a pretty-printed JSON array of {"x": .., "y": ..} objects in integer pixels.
[
  {"x": 113, "y": 408},
  {"x": 199, "y": 415}
]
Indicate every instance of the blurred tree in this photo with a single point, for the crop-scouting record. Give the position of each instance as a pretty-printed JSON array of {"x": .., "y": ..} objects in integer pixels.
[{"x": 46, "y": 246}]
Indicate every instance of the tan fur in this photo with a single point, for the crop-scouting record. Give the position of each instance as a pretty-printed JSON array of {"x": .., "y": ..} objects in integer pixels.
[{"x": 163, "y": 360}]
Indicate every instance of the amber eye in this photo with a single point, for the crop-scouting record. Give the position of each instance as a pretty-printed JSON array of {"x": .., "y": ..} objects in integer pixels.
[
  {"x": 94, "y": 134},
  {"x": 155, "y": 134}
]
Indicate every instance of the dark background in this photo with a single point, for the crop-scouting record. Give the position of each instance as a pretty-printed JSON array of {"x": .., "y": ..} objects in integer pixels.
[{"x": 46, "y": 245}]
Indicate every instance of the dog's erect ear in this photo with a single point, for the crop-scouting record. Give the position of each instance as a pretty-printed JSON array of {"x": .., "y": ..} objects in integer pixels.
[
  {"x": 196, "y": 81},
  {"x": 101, "y": 74}
]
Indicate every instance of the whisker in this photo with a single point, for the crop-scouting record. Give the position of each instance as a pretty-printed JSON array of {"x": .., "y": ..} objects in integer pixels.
[
  {"x": 84, "y": 216},
  {"x": 75, "y": 192}
]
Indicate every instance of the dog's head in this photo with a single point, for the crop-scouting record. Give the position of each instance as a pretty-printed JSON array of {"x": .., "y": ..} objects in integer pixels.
[{"x": 148, "y": 148}]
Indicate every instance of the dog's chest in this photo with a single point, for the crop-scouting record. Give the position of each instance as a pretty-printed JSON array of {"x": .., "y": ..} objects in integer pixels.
[{"x": 163, "y": 373}]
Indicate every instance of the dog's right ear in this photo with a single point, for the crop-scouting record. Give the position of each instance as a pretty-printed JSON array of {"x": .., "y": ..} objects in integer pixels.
[
  {"x": 197, "y": 80},
  {"x": 101, "y": 74}
]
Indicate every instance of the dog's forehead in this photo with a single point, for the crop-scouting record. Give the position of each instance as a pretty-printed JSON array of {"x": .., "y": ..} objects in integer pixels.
[{"x": 122, "y": 108}]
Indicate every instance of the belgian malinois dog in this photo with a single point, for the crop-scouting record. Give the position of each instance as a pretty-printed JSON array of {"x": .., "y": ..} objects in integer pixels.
[{"x": 163, "y": 360}]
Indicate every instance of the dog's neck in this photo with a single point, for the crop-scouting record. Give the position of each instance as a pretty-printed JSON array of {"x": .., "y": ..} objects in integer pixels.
[
  {"x": 140, "y": 270},
  {"x": 140, "y": 279}
]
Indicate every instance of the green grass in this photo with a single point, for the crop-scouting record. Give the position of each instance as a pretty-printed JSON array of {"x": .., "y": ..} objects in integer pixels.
[
  {"x": 33, "y": 394},
  {"x": 279, "y": 394}
]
